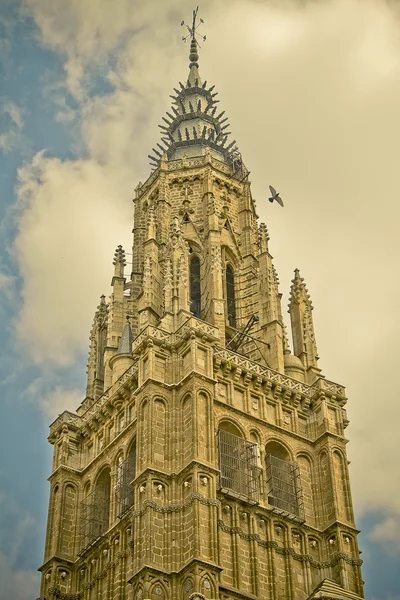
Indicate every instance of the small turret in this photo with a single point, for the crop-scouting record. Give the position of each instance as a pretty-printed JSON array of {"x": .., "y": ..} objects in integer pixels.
[
  {"x": 125, "y": 343},
  {"x": 122, "y": 360}
]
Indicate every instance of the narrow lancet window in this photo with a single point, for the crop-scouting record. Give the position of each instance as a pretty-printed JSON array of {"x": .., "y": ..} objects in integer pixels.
[
  {"x": 125, "y": 475},
  {"x": 195, "y": 292},
  {"x": 230, "y": 296},
  {"x": 95, "y": 510}
]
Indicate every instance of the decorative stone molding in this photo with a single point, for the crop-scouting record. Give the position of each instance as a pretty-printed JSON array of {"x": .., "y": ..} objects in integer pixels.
[
  {"x": 174, "y": 508},
  {"x": 290, "y": 551}
]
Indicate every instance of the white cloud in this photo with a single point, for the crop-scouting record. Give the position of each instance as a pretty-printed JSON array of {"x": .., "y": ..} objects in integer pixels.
[
  {"x": 18, "y": 584},
  {"x": 11, "y": 125},
  {"x": 312, "y": 91},
  {"x": 58, "y": 400},
  {"x": 388, "y": 532},
  {"x": 71, "y": 219},
  {"x": 6, "y": 282}
]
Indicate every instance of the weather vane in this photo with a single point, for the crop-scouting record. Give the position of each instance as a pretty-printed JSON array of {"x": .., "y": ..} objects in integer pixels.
[{"x": 193, "y": 29}]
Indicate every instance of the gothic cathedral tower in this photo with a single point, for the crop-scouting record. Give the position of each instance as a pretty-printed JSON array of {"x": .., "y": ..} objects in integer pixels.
[{"x": 206, "y": 461}]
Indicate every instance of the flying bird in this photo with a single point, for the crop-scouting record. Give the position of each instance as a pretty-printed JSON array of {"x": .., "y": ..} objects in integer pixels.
[{"x": 275, "y": 196}]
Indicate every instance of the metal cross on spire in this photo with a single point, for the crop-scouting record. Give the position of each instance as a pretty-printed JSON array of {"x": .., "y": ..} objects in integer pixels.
[{"x": 193, "y": 29}]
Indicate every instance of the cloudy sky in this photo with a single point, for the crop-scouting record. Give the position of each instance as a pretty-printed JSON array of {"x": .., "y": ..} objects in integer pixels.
[{"x": 312, "y": 90}]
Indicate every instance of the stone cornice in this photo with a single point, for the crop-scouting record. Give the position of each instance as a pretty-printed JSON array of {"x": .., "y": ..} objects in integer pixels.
[
  {"x": 236, "y": 594},
  {"x": 177, "y": 474},
  {"x": 238, "y": 361},
  {"x": 278, "y": 428},
  {"x": 193, "y": 561},
  {"x": 57, "y": 559}
]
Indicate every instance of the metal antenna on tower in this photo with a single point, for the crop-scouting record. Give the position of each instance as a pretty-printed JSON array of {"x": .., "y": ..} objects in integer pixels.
[{"x": 193, "y": 29}]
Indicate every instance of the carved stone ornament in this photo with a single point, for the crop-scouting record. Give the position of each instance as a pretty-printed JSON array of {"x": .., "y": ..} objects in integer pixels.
[
  {"x": 219, "y": 307},
  {"x": 147, "y": 271},
  {"x": 216, "y": 258}
]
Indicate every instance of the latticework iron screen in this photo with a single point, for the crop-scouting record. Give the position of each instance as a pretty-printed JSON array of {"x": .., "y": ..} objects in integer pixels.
[
  {"x": 284, "y": 486},
  {"x": 123, "y": 488},
  {"x": 238, "y": 466},
  {"x": 195, "y": 287},
  {"x": 95, "y": 509}
]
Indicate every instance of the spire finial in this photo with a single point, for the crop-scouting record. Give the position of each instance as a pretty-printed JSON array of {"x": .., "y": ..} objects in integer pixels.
[
  {"x": 119, "y": 261},
  {"x": 193, "y": 56}
]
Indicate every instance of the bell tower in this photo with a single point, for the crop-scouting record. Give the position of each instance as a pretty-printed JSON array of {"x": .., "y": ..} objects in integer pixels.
[{"x": 206, "y": 461}]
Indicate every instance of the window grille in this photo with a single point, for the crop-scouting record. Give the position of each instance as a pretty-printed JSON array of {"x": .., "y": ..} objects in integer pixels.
[
  {"x": 195, "y": 289},
  {"x": 95, "y": 510},
  {"x": 123, "y": 488},
  {"x": 238, "y": 466},
  {"x": 284, "y": 486},
  {"x": 230, "y": 296}
]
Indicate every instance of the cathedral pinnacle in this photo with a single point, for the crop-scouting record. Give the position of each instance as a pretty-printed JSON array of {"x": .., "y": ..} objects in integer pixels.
[
  {"x": 119, "y": 261},
  {"x": 298, "y": 291},
  {"x": 300, "y": 310}
]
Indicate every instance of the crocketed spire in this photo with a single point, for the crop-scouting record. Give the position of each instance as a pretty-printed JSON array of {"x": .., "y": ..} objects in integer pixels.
[
  {"x": 298, "y": 291},
  {"x": 300, "y": 310},
  {"x": 193, "y": 125},
  {"x": 119, "y": 261},
  {"x": 125, "y": 342}
]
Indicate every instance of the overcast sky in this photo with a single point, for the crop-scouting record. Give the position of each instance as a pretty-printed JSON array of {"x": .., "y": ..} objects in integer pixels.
[{"x": 312, "y": 92}]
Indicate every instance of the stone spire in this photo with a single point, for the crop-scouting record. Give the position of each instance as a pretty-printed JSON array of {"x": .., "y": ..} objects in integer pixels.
[
  {"x": 125, "y": 342},
  {"x": 122, "y": 359},
  {"x": 193, "y": 125},
  {"x": 194, "y": 76},
  {"x": 300, "y": 309}
]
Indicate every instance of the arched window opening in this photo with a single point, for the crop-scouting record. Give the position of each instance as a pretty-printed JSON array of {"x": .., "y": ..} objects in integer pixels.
[
  {"x": 283, "y": 480},
  {"x": 126, "y": 473},
  {"x": 95, "y": 510},
  {"x": 237, "y": 464},
  {"x": 230, "y": 427},
  {"x": 157, "y": 592},
  {"x": 230, "y": 296},
  {"x": 195, "y": 290}
]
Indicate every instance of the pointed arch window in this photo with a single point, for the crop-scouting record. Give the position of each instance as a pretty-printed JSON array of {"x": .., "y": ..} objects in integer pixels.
[
  {"x": 95, "y": 510},
  {"x": 230, "y": 295},
  {"x": 283, "y": 480},
  {"x": 126, "y": 473},
  {"x": 237, "y": 463},
  {"x": 195, "y": 291}
]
